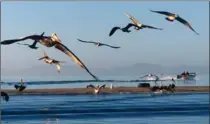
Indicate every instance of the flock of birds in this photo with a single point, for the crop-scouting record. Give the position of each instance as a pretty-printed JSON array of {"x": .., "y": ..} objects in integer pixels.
[{"x": 54, "y": 40}]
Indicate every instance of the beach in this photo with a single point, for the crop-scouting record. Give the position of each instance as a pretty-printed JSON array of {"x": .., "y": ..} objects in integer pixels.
[{"x": 106, "y": 90}]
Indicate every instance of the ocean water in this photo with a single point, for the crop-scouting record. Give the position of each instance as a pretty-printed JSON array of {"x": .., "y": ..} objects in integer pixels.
[{"x": 178, "y": 108}]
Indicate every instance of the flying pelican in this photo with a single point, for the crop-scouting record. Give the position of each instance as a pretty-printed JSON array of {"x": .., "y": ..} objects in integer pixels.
[
  {"x": 97, "y": 89},
  {"x": 139, "y": 25},
  {"x": 51, "y": 61},
  {"x": 32, "y": 46},
  {"x": 124, "y": 29},
  {"x": 50, "y": 41},
  {"x": 171, "y": 17},
  {"x": 98, "y": 43},
  {"x": 5, "y": 96}
]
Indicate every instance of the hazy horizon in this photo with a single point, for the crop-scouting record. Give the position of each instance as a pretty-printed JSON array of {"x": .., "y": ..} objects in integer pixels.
[{"x": 175, "y": 45}]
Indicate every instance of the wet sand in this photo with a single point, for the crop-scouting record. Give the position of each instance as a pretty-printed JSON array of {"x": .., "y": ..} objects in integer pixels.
[{"x": 105, "y": 90}]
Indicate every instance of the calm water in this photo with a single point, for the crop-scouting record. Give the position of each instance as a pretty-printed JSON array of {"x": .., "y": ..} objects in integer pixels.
[{"x": 179, "y": 108}]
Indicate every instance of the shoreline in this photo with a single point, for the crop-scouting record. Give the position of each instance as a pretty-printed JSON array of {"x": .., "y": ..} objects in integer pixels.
[{"x": 103, "y": 91}]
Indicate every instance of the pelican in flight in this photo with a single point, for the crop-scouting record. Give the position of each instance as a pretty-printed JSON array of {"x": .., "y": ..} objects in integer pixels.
[
  {"x": 98, "y": 43},
  {"x": 171, "y": 17},
  {"x": 5, "y": 96},
  {"x": 51, "y": 61},
  {"x": 50, "y": 41},
  {"x": 124, "y": 29},
  {"x": 139, "y": 25},
  {"x": 97, "y": 89},
  {"x": 32, "y": 46}
]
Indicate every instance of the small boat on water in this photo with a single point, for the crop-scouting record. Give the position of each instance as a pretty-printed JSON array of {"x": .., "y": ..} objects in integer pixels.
[{"x": 187, "y": 76}]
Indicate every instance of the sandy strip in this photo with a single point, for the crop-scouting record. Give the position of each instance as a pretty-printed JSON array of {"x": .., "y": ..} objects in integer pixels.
[{"x": 106, "y": 90}]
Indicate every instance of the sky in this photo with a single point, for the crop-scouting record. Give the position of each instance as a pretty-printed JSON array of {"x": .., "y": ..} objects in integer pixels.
[{"x": 175, "y": 45}]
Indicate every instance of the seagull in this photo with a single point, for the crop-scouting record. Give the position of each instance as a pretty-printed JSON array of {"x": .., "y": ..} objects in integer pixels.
[
  {"x": 171, "y": 17},
  {"x": 21, "y": 87},
  {"x": 98, "y": 43},
  {"x": 50, "y": 41},
  {"x": 51, "y": 61},
  {"x": 32, "y": 46},
  {"x": 5, "y": 96},
  {"x": 97, "y": 89},
  {"x": 124, "y": 29},
  {"x": 139, "y": 25}
]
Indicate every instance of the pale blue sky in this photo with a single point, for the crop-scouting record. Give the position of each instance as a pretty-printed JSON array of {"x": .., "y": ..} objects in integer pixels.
[{"x": 176, "y": 44}]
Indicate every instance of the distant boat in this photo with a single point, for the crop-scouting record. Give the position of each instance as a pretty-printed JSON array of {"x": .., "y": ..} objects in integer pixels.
[{"x": 187, "y": 76}]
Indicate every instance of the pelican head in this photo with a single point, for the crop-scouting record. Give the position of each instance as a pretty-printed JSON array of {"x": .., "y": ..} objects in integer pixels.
[{"x": 55, "y": 37}]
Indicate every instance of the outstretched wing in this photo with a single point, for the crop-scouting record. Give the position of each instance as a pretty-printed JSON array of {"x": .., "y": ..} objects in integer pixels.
[
  {"x": 136, "y": 22},
  {"x": 6, "y": 42},
  {"x": 68, "y": 52},
  {"x": 186, "y": 24},
  {"x": 147, "y": 26},
  {"x": 129, "y": 25},
  {"x": 90, "y": 86},
  {"x": 86, "y": 41},
  {"x": 163, "y": 12},
  {"x": 58, "y": 67},
  {"x": 103, "y": 86},
  {"x": 113, "y": 30},
  {"x": 110, "y": 46}
]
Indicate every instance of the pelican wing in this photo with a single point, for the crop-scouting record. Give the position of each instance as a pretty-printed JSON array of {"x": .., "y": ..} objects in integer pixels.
[
  {"x": 110, "y": 46},
  {"x": 91, "y": 86},
  {"x": 103, "y": 86},
  {"x": 58, "y": 67},
  {"x": 163, "y": 12},
  {"x": 136, "y": 22},
  {"x": 186, "y": 24},
  {"x": 86, "y": 41},
  {"x": 147, "y": 26},
  {"x": 68, "y": 52},
  {"x": 113, "y": 30},
  {"x": 11, "y": 41},
  {"x": 129, "y": 25}
]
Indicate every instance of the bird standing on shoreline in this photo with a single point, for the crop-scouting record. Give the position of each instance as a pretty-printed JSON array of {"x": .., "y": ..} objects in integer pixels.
[
  {"x": 51, "y": 41},
  {"x": 171, "y": 17}
]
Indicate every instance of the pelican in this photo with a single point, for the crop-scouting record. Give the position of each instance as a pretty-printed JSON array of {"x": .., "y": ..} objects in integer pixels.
[
  {"x": 51, "y": 61},
  {"x": 139, "y": 25},
  {"x": 171, "y": 17},
  {"x": 124, "y": 29},
  {"x": 98, "y": 43},
  {"x": 5, "y": 96},
  {"x": 97, "y": 89},
  {"x": 50, "y": 41},
  {"x": 21, "y": 87}
]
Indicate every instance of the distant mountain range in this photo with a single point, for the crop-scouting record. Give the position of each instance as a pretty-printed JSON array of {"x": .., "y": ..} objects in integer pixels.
[{"x": 133, "y": 70}]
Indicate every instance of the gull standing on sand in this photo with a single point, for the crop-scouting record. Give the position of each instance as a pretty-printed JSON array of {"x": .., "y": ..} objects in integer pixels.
[
  {"x": 139, "y": 25},
  {"x": 97, "y": 89},
  {"x": 98, "y": 43},
  {"x": 171, "y": 17},
  {"x": 51, "y": 61},
  {"x": 50, "y": 41}
]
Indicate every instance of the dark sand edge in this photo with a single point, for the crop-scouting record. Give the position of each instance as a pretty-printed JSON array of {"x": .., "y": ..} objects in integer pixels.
[{"x": 104, "y": 91}]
